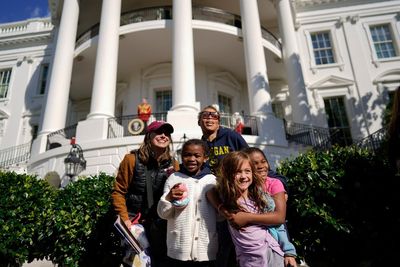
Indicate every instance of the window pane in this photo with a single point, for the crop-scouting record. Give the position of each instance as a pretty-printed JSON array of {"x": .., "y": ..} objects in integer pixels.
[
  {"x": 278, "y": 109},
  {"x": 337, "y": 121},
  {"x": 382, "y": 39},
  {"x": 163, "y": 101},
  {"x": 4, "y": 82},
  {"x": 225, "y": 104},
  {"x": 43, "y": 79},
  {"x": 322, "y": 46}
]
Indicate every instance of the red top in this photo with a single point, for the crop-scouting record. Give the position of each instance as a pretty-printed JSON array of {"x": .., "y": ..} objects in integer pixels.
[
  {"x": 239, "y": 127},
  {"x": 144, "y": 111}
]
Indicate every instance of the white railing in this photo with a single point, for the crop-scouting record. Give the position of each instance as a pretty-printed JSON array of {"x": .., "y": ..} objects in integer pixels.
[
  {"x": 26, "y": 26},
  {"x": 14, "y": 155}
]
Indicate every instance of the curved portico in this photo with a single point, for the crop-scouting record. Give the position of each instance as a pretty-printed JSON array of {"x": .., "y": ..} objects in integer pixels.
[{"x": 110, "y": 57}]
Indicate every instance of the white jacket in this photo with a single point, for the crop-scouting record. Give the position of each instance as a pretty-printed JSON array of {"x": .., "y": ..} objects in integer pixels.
[{"x": 191, "y": 232}]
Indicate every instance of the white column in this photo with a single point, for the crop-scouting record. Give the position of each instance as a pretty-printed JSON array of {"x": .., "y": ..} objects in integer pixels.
[
  {"x": 256, "y": 68},
  {"x": 105, "y": 75},
  {"x": 55, "y": 111},
  {"x": 183, "y": 80},
  {"x": 290, "y": 51},
  {"x": 269, "y": 127}
]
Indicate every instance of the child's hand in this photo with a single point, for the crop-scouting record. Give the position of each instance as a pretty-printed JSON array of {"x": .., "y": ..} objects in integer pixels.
[
  {"x": 240, "y": 219},
  {"x": 224, "y": 212},
  {"x": 176, "y": 192}
]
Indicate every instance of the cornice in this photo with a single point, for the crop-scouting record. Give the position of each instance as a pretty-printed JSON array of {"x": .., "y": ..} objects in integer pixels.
[
  {"x": 28, "y": 31},
  {"x": 353, "y": 12},
  {"x": 11, "y": 41},
  {"x": 304, "y": 5}
]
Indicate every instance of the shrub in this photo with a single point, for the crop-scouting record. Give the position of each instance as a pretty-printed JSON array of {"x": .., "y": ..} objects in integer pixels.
[
  {"x": 26, "y": 210},
  {"x": 341, "y": 205},
  {"x": 83, "y": 233},
  {"x": 72, "y": 226}
]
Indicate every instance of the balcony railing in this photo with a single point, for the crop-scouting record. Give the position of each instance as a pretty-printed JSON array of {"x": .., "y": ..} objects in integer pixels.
[
  {"x": 14, "y": 155},
  {"x": 374, "y": 141},
  {"x": 165, "y": 12},
  {"x": 307, "y": 134},
  {"x": 61, "y": 137},
  {"x": 324, "y": 138},
  {"x": 119, "y": 126},
  {"x": 250, "y": 123}
]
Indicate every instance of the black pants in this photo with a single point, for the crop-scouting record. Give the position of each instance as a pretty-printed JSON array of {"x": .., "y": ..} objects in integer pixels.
[
  {"x": 156, "y": 232},
  {"x": 226, "y": 256}
]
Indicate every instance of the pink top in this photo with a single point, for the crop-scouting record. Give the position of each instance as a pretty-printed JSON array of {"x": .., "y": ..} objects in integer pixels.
[{"x": 273, "y": 186}]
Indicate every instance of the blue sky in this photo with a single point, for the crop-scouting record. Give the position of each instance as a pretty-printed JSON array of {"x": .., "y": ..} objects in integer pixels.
[{"x": 16, "y": 10}]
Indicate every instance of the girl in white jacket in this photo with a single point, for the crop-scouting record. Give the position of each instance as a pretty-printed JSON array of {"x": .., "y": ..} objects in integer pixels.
[{"x": 191, "y": 234}]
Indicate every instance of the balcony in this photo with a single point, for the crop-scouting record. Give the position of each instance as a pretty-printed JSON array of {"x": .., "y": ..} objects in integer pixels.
[{"x": 163, "y": 13}]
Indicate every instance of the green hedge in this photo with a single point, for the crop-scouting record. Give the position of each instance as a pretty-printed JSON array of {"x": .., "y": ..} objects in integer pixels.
[
  {"x": 343, "y": 207},
  {"x": 343, "y": 204},
  {"x": 71, "y": 227},
  {"x": 26, "y": 211}
]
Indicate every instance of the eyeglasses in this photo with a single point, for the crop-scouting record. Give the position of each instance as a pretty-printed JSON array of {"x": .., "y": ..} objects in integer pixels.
[{"x": 208, "y": 114}]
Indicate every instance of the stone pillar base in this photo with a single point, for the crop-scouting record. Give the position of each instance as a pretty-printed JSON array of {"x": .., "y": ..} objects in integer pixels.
[
  {"x": 39, "y": 145},
  {"x": 184, "y": 122},
  {"x": 271, "y": 130},
  {"x": 92, "y": 130}
]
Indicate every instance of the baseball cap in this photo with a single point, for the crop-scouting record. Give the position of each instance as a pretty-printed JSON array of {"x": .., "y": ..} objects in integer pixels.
[{"x": 155, "y": 125}]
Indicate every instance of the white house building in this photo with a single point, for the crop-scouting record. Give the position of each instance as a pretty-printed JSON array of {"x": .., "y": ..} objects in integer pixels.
[{"x": 297, "y": 71}]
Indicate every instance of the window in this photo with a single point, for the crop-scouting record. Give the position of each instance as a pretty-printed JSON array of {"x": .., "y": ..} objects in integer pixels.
[
  {"x": 4, "y": 82},
  {"x": 163, "y": 101},
  {"x": 43, "y": 79},
  {"x": 278, "y": 110},
  {"x": 337, "y": 121},
  {"x": 34, "y": 131},
  {"x": 322, "y": 48},
  {"x": 383, "y": 42},
  {"x": 225, "y": 104}
]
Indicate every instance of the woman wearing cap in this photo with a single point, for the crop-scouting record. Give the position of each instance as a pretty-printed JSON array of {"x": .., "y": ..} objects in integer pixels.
[{"x": 140, "y": 182}]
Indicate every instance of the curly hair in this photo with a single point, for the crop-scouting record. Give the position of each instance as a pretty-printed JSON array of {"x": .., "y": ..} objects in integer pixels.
[
  {"x": 227, "y": 187},
  {"x": 197, "y": 142}
]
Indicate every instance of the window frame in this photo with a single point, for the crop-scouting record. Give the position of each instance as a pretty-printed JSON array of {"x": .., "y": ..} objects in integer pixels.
[
  {"x": 320, "y": 36},
  {"x": 7, "y": 91},
  {"x": 161, "y": 90},
  {"x": 342, "y": 128},
  {"x": 230, "y": 100},
  {"x": 43, "y": 81},
  {"x": 278, "y": 108},
  {"x": 335, "y": 49},
  {"x": 395, "y": 39}
]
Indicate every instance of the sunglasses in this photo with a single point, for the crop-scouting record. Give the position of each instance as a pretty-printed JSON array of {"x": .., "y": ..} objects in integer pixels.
[{"x": 208, "y": 114}]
